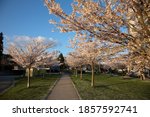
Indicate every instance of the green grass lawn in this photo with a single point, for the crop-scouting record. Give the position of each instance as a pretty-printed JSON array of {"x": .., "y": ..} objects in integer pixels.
[
  {"x": 39, "y": 88},
  {"x": 109, "y": 87}
]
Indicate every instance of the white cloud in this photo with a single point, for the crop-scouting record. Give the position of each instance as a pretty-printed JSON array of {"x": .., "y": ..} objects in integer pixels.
[
  {"x": 25, "y": 39},
  {"x": 21, "y": 38},
  {"x": 40, "y": 38}
]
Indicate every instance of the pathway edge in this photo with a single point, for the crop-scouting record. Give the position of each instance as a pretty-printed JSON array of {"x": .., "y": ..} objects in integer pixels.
[
  {"x": 76, "y": 90},
  {"x": 50, "y": 89}
]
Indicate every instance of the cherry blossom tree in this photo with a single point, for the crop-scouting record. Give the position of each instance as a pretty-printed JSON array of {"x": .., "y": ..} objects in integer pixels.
[
  {"x": 139, "y": 27},
  {"x": 30, "y": 52},
  {"x": 122, "y": 22},
  {"x": 72, "y": 62},
  {"x": 78, "y": 60},
  {"x": 88, "y": 51},
  {"x": 91, "y": 51}
]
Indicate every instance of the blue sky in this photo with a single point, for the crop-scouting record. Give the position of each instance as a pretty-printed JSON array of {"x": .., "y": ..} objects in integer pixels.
[{"x": 30, "y": 18}]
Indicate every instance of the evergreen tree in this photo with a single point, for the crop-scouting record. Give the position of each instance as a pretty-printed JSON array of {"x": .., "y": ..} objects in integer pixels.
[
  {"x": 61, "y": 60},
  {"x": 1, "y": 44},
  {"x": 1, "y": 47}
]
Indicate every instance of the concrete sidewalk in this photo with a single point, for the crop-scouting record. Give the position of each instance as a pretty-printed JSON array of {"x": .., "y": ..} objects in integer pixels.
[{"x": 64, "y": 90}]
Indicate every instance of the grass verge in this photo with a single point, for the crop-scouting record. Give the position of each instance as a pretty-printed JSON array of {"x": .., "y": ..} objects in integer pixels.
[
  {"x": 39, "y": 87},
  {"x": 108, "y": 87}
]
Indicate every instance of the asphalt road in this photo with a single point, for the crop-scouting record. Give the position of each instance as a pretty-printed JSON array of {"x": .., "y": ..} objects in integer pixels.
[{"x": 6, "y": 82}]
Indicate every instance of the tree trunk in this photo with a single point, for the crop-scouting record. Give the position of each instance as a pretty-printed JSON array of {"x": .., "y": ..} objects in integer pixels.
[
  {"x": 128, "y": 70},
  {"x": 99, "y": 68},
  {"x": 76, "y": 72},
  {"x": 148, "y": 73},
  {"x": 81, "y": 72},
  {"x": 92, "y": 80},
  {"x": 142, "y": 75},
  {"x": 43, "y": 75},
  {"x": 28, "y": 80}
]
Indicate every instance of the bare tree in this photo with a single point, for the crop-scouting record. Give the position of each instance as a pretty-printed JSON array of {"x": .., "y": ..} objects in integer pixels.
[{"x": 30, "y": 52}]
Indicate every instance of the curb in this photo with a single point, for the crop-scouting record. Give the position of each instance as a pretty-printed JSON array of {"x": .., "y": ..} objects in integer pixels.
[
  {"x": 50, "y": 90},
  {"x": 76, "y": 90},
  {"x": 5, "y": 90},
  {"x": 11, "y": 85}
]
